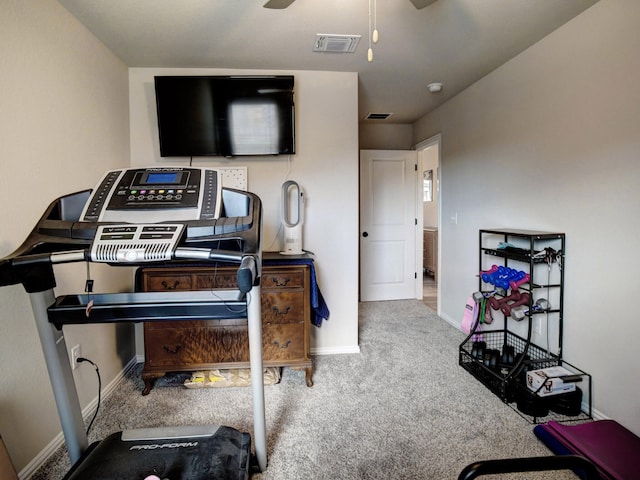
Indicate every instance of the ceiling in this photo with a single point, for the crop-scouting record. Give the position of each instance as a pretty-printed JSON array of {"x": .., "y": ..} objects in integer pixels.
[{"x": 455, "y": 42}]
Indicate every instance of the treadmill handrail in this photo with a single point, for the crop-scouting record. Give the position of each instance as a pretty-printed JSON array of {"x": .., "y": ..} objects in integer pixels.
[
  {"x": 248, "y": 270},
  {"x": 60, "y": 233}
]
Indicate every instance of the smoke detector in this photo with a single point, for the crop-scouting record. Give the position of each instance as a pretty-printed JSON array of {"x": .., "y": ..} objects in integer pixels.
[{"x": 336, "y": 43}]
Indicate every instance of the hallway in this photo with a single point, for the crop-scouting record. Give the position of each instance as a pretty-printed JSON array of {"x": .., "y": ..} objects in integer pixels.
[{"x": 430, "y": 292}]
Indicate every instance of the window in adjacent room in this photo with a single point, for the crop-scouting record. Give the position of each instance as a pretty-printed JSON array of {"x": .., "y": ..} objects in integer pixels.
[{"x": 427, "y": 186}]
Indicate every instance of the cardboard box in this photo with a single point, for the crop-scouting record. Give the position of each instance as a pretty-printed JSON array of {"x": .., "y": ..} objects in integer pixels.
[{"x": 552, "y": 386}]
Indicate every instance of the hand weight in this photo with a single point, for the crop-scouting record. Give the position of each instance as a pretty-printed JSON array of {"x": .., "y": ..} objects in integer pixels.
[{"x": 541, "y": 305}]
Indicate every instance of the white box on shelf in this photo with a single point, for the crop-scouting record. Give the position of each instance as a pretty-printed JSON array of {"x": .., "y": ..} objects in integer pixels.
[{"x": 552, "y": 384}]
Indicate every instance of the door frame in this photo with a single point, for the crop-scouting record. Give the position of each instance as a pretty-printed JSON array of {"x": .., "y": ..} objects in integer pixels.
[{"x": 418, "y": 147}]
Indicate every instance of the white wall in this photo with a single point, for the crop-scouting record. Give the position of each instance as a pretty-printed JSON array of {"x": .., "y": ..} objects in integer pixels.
[
  {"x": 63, "y": 121},
  {"x": 385, "y": 136},
  {"x": 550, "y": 141},
  {"x": 325, "y": 165}
]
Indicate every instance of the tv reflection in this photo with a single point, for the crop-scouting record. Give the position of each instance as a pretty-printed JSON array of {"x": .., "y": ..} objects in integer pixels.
[{"x": 253, "y": 127}]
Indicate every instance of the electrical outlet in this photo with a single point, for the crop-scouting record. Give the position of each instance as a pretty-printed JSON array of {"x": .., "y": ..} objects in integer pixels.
[{"x": 75, "y": 354}]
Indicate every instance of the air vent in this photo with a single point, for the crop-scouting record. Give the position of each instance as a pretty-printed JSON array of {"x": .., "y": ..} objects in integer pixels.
[
  {"x": 336, "y": 43},
  {"x": 378, "y": 116}
]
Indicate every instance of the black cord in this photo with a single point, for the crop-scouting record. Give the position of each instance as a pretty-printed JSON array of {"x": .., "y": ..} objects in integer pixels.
[{"x": 80, "y": 360}]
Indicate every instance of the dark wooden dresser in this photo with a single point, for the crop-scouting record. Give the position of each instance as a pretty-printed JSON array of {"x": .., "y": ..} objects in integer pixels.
[{"x": 210, "y": 344}]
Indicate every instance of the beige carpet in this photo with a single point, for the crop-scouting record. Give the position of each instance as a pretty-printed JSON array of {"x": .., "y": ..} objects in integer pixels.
[{"x": 400, "y": 409}]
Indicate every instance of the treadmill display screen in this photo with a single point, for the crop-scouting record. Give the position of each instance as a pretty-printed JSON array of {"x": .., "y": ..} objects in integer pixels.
[
  {"x": 152, "y": 178},
  {"x": 163, "y": 178}
]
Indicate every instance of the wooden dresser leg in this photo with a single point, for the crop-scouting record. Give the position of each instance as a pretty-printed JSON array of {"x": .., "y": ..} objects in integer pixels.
[
  {"x": 149, "y": 381},
  {"x": 309, "y": 373}
]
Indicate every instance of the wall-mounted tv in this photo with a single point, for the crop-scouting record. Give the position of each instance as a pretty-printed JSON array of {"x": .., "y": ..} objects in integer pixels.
[{"x": 225, "y": 115}]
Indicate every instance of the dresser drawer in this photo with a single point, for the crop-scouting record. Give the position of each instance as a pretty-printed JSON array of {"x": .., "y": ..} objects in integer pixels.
[
  {"x": 179, "y": 345},
  {"x": 283, "y": 342},
  {"x": 282, "y": 307},
  {"x": 282, "y": 278},
  {"x": 160, "y": 280},
  {"x": 220, "y": 278},
  {"x": 200, "y": 278},
  {"x": 175, "y": 345},
  {"x": 162, "y": 283}
]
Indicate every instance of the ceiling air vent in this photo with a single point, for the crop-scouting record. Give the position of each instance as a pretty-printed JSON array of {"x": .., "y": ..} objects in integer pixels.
[
  {"x": 378, "y": 116},
  {"x": 336, "y": 43}
]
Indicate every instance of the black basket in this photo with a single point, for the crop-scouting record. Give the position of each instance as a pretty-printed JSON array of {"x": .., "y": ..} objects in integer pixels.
[{"x": 501, "y": 359}]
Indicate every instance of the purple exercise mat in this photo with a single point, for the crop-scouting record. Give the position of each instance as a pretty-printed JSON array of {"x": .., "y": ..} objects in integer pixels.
[{"x": 613, "y": 449}]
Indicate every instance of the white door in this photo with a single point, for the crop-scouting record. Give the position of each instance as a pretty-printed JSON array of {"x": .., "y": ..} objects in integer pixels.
[{"x": 388, "y": 224}]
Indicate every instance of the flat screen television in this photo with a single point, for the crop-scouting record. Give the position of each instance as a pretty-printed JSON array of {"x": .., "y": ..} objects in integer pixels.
[{"x": 225, "y": 115}]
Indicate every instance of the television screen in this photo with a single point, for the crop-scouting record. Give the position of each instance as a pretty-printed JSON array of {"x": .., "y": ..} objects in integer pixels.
[{"x": 225, "y": 116}]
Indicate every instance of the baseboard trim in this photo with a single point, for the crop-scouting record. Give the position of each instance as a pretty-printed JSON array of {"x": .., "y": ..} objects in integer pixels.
[
  {"x": 87, "y": 412},
  {"x": 597, "y": 414},
  {"x": 335, "y": 350},
  {"x": 449, "y": 320}
]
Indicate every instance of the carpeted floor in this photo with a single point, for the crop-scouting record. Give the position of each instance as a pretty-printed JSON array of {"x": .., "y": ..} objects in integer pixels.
[{"x": 400, "y": 409}]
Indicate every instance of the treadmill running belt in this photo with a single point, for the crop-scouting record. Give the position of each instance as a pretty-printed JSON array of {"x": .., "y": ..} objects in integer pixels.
[{"x": 222, "y": 454}]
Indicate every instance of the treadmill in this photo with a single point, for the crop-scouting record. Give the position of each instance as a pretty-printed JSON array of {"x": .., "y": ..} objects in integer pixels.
[{"x": 138, "y": 217}]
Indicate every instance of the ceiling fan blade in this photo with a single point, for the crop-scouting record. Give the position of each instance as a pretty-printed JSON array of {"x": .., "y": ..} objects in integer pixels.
[
  {"x": 422, "y": 3},
  {"x": 278, "y": 4}
]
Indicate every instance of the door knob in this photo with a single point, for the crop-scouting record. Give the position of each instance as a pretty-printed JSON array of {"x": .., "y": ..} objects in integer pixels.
[{"x": 365, "y": 234}]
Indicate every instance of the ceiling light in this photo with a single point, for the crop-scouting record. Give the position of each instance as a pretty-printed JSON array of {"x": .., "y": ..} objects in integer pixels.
[
  {"x": 373, "y": 35},
  {"x": 435, "y": 87}
]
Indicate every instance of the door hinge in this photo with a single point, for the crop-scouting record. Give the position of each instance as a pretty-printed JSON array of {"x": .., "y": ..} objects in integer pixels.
[
  {"x": 416, "y": 221},
  {"x": 415, "y": 167},
  {"x": 415, "y": 274}
]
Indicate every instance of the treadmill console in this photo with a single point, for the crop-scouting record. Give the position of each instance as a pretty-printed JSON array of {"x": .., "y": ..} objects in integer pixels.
[
  {"x": 139, "y": 243},
  {"x": 153, "y": 195}
]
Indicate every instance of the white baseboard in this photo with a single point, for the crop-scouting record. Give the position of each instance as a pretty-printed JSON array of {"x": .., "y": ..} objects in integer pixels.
[
  {"x": 449, "y": 320},
  {"x": 335, "y": 350},
  {"x": 597, "y": 414},
  {"x": 58, "y": 440}
]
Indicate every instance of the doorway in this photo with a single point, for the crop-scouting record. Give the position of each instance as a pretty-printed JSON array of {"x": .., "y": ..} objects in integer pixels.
[
  {"x": 388, "y": 225},
  {"x": 429, "y": 163}
]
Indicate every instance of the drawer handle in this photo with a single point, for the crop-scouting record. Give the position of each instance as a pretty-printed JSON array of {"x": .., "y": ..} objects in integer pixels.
[
  {"x": 172, "y": 350},
  {"x": 278, "y": 312},
  {"x": 277, "y": 344},
  {"x": 169, "y": 287},
  {"x": 279, "y": 283}
]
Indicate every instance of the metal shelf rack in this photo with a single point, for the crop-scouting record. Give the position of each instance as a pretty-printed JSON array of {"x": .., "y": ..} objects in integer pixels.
[{"x": 500, "y": 354}]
